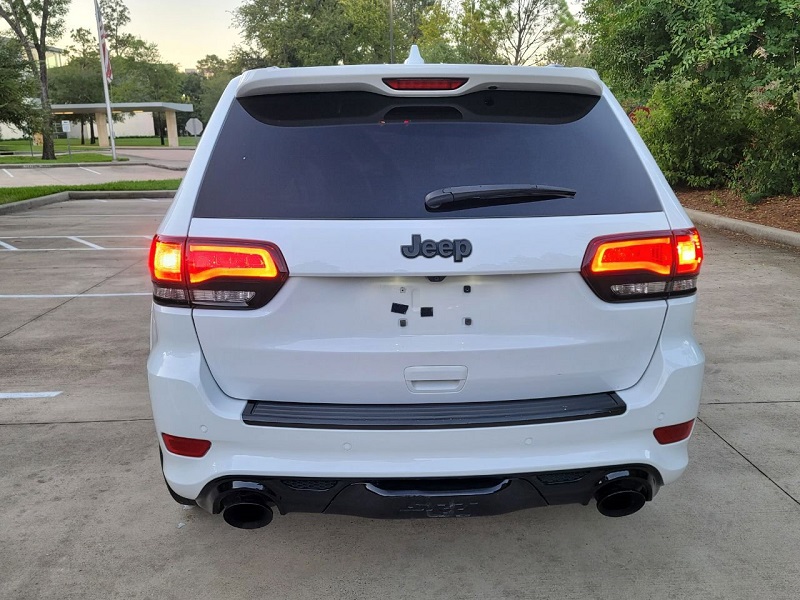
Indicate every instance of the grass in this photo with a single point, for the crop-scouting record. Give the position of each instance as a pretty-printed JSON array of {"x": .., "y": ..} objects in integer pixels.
[
  {"x": 15, "y": 194},
  {"x": 78, "y": 157},
  {"x": 184, "y": 142}
]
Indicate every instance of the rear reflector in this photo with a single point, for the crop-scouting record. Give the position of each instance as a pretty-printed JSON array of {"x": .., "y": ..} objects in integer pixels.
[
  {"x": 425, "y": 83},
  {"x": 673, "y": 433},
  {"x": 182, "y": 446},
  {"x": 215, "y": 273},
  {"x": 643, "y": 266}
]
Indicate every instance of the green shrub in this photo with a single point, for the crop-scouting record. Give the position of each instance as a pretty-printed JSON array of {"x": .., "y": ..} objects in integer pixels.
[
  {"x": 697, "y": 133},
  {"x": 771, "y": 161}
]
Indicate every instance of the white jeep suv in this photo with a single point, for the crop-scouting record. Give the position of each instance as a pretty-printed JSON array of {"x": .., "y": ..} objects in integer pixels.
[{"x": 422, "y": 291}]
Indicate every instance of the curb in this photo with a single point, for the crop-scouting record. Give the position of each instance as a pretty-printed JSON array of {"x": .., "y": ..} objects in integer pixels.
[
  {"x": 68, "y": 165},
  {"x": 23, "y": 205},
  {"x": 126, "y": 163},
  {"x": 762, "y": 232}
]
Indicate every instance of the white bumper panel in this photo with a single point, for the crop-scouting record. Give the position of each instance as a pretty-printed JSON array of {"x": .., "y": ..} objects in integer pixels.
[{"x": 187, "y": 402}]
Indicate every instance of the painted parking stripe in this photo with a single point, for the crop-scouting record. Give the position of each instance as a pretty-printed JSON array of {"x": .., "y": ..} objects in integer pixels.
[
  {"x": 37, "y": 296},
  {"x": 82, "y": 216},
  {"x": 61, "y": 237},
  {"x": 7, "y": 246},
  {"x": 7, "y": 172},
  {"x": 87, "y": 249},
  {"x": 81, "y": 241},
  {"x": 10, "y": 395},
  {"x": 90, "y": 171}
]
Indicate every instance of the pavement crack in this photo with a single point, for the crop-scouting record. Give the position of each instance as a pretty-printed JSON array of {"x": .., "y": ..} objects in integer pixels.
[
  {"x": 89, "y": 289},
  {"x": 750, "y": 462}
]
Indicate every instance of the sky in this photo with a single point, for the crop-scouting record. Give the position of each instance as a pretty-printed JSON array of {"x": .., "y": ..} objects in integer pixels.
[{"x": 184, "y": 30}]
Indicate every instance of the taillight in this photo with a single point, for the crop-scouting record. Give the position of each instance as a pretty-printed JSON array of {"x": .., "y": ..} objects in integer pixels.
[
  {"x": 643, "y": 266},
  {"x": 191, "y": 447},
  {"x": 673, "y": 433},
  {"x": 215, "y": 273},
  {"x": 425, "y": 83}
]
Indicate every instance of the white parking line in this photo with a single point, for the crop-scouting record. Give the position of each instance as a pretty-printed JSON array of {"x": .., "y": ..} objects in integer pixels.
[
  {"x": 37, "y": 296},
  {"x": 7, "y": 246},
  {"x": 57, "y": 237},
  {"x": 7, "y": 172},
  {"x": 8, "y": 396},
  {"x": 78, "y": 215},
  {"x": 87, "y": 249},
  {"x": 90, "y": 171},
  {"x": 80, "y": 241}
]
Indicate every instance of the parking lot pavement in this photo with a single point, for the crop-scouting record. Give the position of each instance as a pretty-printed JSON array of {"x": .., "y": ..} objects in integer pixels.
[
  {"x": 82, "y": 175},
  {"x": 86, "y": 514}
]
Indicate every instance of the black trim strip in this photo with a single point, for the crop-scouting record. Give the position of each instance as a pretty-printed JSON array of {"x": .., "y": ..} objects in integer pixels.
[{"x": 432, "y": 416}]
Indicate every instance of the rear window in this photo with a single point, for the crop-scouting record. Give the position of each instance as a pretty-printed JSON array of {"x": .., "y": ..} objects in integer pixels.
[{"x": 359, "y": 155}]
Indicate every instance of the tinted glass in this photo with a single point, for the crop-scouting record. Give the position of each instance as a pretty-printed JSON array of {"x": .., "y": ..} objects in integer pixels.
[{"x": 357, "y": 155}]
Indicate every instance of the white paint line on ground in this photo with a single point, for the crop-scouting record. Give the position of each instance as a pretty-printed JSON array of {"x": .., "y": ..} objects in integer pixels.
[
  {"x": 7, "y": 172},
  {"x": 38, "y": 296},
  {"x": 61, "y": 237},
  {"x": 91, "y": 171},
  {"x": 87, "y": 249},
  {"x": 7, "y": 246},
  {"x": 11, "y": 395},
  {"x": 80, "y": 241},
  {"x": 16, "y": 216}
]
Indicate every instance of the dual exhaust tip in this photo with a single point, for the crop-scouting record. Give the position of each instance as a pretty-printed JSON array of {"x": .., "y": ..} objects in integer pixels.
[{"x": 619, "y": 495}]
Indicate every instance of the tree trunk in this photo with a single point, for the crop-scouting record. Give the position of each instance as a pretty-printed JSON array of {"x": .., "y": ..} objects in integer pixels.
[
  {"x": 48, "y": 147},
  {"x": 83, "y": 131}
]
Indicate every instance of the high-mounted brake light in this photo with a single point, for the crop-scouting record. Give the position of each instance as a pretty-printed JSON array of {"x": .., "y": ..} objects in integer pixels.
[
  {"x": 425, "y": 83},
  {"x": 643, "y": 266},
  {"x": 215, "y": 273}
]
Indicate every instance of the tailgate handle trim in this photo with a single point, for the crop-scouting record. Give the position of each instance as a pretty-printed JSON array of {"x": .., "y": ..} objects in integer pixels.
[{"x": 435, "y": 379}]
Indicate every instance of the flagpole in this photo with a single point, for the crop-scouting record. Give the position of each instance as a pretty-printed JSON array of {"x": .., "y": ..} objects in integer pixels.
[{"x": 103, "y": 69}]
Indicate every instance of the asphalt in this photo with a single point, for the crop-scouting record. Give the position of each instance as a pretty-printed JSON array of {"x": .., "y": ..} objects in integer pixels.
[{"x": 86, "y": 515}]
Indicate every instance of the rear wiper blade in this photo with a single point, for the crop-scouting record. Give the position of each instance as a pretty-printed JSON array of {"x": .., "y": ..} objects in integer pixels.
[{"x": 474, "y": 196}]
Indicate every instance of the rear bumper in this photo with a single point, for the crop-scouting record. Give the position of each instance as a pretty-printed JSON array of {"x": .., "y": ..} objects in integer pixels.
[
  {"x": 431, "y": 498},
  {"x": 187, "y": 402}
]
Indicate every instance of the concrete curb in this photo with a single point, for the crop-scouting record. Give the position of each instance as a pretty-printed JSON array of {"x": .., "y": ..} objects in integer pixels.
[
  {"x": 770, "y": 234},
  {"x": 23, "y": 205},
  {"x": 127, "y": 163}
]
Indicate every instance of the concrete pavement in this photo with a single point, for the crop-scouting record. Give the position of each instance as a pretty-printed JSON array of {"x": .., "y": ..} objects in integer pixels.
[
  {"x": 86, "y": 514},
  {"x": 146, "y": 163}
]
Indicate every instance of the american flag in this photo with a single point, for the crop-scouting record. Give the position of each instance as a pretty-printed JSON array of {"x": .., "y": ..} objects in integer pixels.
[{"x": 103, "y": 36}]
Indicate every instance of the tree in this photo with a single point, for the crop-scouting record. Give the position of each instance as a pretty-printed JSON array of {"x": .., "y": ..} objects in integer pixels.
[
  {"x": 530, "y": 26},
  {"x": 80, "y": 80},
  {"x": 16, "y": 85},
  {"x": 33, "y": 23}
]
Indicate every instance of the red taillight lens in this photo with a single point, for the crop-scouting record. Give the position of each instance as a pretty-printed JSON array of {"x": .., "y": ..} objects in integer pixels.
[
  {"x": 425, "y": 83},
  {"x": 622, "y": 256},
  {"x": 673, "y": 433},
  {"x": 215, "y": 273},
  {"x": 182, "y": 446},
  {"x": 206, "y": 261},
  {"x": 641, "y": 266}
]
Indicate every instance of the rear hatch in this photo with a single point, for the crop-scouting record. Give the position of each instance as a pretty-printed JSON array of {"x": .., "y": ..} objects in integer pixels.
[{"x": 388, "y": 301}]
